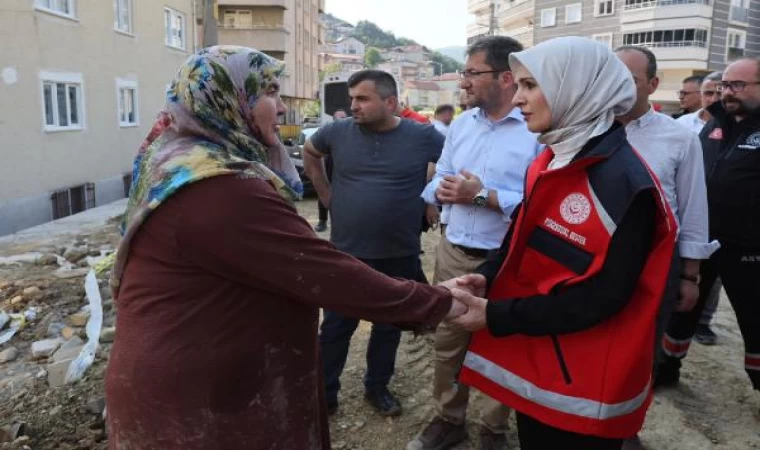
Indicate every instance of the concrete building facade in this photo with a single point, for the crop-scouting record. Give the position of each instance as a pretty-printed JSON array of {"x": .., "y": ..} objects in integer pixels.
[
  {"x": 81, "y": 82},
  {"x": 688, "y": 36},
  {"x": 289, "y": 30}
]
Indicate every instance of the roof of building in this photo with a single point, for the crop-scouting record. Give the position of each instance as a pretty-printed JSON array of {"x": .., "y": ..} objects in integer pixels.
[
  {"x": 344, "y": 56},
  {"x": 347, "y": 38},
  {"x": 422, "y": 85},
  {"x": 409, "y": 48},
  {"x": 450, "y": 76}
]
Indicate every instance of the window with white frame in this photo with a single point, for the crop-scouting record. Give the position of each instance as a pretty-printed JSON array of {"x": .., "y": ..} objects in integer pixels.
[
  {"x": 174, "y": 22},
  {"x": 238, "y": 18},
  {"x": 683, "y": 37},
  {"x": 126, "y": 93},
  {"x": 60, "y": 7},
  {"x": 573, "y": 13},
  {"x": 548, "y": 17},
  {"x": 604, "y": 38},
  {"x": 62, "y": 105},
  {"x": 739, "y": 11},
  {"x": 123, "y": 15},
  {"x": 604, "y": 7},
  {"x": 736, "y": 42}
]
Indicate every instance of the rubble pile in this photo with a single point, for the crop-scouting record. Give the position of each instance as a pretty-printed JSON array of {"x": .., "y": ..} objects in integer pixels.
[{"x": 44, "y": 316}]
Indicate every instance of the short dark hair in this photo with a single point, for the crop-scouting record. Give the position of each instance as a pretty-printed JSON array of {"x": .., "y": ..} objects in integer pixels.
[
  {"x": 714, "y": 76},
  {"x": 339, "y": 110},
  {"x": 385, "y": 85},
  {"x": 497, "y": 50},
  {"x": 698, "y": 79},
  {"x": 444, "y": 108},
  {"x": 651, "y": 59}
]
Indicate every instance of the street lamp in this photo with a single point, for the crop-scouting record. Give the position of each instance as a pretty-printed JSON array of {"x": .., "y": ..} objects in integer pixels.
[{"x": 440, "y": 68}]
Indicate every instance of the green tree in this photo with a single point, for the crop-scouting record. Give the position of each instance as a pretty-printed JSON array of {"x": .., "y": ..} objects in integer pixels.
[
  {"x": 447, "y": 64},
  {"x": 329, "y": 69},
  {"x": 311, "y": 109},
  {"x": 372, "y": 58}
]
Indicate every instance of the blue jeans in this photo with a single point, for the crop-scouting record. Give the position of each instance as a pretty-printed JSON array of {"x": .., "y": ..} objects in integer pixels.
[{"x": 337, "y": 330}]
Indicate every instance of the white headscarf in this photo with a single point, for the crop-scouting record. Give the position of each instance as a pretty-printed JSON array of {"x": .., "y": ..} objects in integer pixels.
[{"x": 585, "y": 85}]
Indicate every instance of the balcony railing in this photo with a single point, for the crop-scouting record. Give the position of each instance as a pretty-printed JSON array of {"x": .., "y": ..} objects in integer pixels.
[
  {"x": 252, "y": 26},
  {"x": 735, "y": 53},
  {"x": 739, "y": 14},
  {"x": 632, "y": 5},
  {"x": 675, "y": 44}
]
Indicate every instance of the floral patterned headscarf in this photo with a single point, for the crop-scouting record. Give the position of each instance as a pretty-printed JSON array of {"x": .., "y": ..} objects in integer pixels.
[{"x": 204, "y": 131}]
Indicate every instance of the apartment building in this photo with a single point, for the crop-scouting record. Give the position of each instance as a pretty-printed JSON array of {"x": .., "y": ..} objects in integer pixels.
[
  {"x": 513, "y": 18},
  {"x": 80, "y": 84},
  {"x": 345, "y": 46},
  {"x": 289, "y": 30},
  {"x": 687, "y": 36}
]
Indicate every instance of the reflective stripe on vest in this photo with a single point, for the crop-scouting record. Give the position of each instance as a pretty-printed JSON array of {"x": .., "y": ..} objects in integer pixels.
[{"x": 563, "y": 403}]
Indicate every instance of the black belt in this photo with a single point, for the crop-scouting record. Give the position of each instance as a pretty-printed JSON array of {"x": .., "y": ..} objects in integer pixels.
[{"x": 473, "y": 252}]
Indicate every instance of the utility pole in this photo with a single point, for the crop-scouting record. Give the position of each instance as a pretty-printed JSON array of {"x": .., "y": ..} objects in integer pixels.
[
  {"x": 493, "y": 21},
  {"x": 210, "y": 31}
]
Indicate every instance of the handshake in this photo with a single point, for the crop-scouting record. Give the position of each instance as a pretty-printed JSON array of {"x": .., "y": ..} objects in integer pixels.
[{"x": 468, "y": 305}]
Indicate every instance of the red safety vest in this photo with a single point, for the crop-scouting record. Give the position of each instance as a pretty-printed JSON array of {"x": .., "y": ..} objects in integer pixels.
[{"x": 597, "y": 381}]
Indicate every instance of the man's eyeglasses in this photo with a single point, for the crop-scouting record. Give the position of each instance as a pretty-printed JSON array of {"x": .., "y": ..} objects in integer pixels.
[
  {"x": 682, "y": 94},
  {"x": 467, "y": 74},
  {"x": 737, "y": 85},
  {"x": 711, "y": 93}
]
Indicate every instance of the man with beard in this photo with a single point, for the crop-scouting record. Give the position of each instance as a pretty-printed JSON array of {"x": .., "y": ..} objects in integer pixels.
[
  {"x": 379, "y": 170},
  {"x": 731, "y": 144}
]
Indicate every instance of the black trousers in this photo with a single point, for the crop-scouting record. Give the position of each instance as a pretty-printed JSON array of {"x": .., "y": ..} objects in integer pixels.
[
  {"x": 535, "y": 435},
  {"x": 739, "y": 268}
]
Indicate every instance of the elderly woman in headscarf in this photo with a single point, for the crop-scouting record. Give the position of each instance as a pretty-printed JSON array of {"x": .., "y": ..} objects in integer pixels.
[
  {"x": 218, "y": 280},
  {"x": 567, "y": 332}
]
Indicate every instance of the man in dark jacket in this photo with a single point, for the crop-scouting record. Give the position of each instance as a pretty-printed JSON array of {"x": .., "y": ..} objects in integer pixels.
[{"x": 731, "y": 145}]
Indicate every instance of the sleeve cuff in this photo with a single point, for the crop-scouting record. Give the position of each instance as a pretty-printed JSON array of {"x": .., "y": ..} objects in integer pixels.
[
  {"x": 428, "y": 194},
  {"x": 508, "y": 200},
  {"x": 697, "y": 250}
]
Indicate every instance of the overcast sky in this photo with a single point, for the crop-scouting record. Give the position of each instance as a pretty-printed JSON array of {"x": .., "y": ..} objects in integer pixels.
[{"x": 434, "y": 23}]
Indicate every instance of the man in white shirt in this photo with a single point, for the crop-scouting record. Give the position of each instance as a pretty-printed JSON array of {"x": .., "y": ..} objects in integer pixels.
[
  {"x": 442, "y": 118},
  {"x": 710, "y": 93},
  {"x": 674, "y": 154},
  {"x": 711, "y": 88},
  {"x": 480, "y": 176}
]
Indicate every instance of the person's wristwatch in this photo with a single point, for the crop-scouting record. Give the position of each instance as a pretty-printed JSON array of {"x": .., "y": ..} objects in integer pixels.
[
  {"x": 694, "y": 278},
  {"x": 481, "y": 198}
]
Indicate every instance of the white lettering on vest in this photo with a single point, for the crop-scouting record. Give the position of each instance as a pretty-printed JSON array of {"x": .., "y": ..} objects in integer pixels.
[
  {"x": 554, "y": 226},
  {"x": 564, "y": 231}
]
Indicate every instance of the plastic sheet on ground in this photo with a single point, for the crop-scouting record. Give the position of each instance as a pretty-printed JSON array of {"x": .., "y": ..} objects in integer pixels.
[
  {"x": 87, "y": 356},
  {"x": 18, "y": 321}
]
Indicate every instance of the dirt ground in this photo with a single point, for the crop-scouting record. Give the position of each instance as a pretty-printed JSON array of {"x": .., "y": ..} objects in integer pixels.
[{"x": 713, "y": 408}]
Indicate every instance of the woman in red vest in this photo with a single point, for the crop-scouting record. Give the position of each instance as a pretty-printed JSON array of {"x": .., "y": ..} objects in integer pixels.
[{"x": 567, "y": 328}]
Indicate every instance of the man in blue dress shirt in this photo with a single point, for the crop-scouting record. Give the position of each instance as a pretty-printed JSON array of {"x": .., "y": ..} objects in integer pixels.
[{"x": 480, "y": 177}]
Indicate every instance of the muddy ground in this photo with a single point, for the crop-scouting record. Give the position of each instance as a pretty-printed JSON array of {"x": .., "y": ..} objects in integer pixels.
[{"x": 713, "y": 408}]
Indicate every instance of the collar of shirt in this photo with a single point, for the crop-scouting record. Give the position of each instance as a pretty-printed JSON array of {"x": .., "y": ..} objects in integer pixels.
[
  {"x": 644, "y": 120},
  {"x": 479, "y": 115}
]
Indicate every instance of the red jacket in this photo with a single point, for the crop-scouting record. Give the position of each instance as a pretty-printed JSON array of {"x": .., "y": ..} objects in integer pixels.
[
  {"x": 408, "y": 113},
  {"x": 596, "y": 381}
]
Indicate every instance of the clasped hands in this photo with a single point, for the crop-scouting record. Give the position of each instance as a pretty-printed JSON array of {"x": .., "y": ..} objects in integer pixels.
[
  {"x": 468, "y": 306},
  {"x": 461, "y": 188}
]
